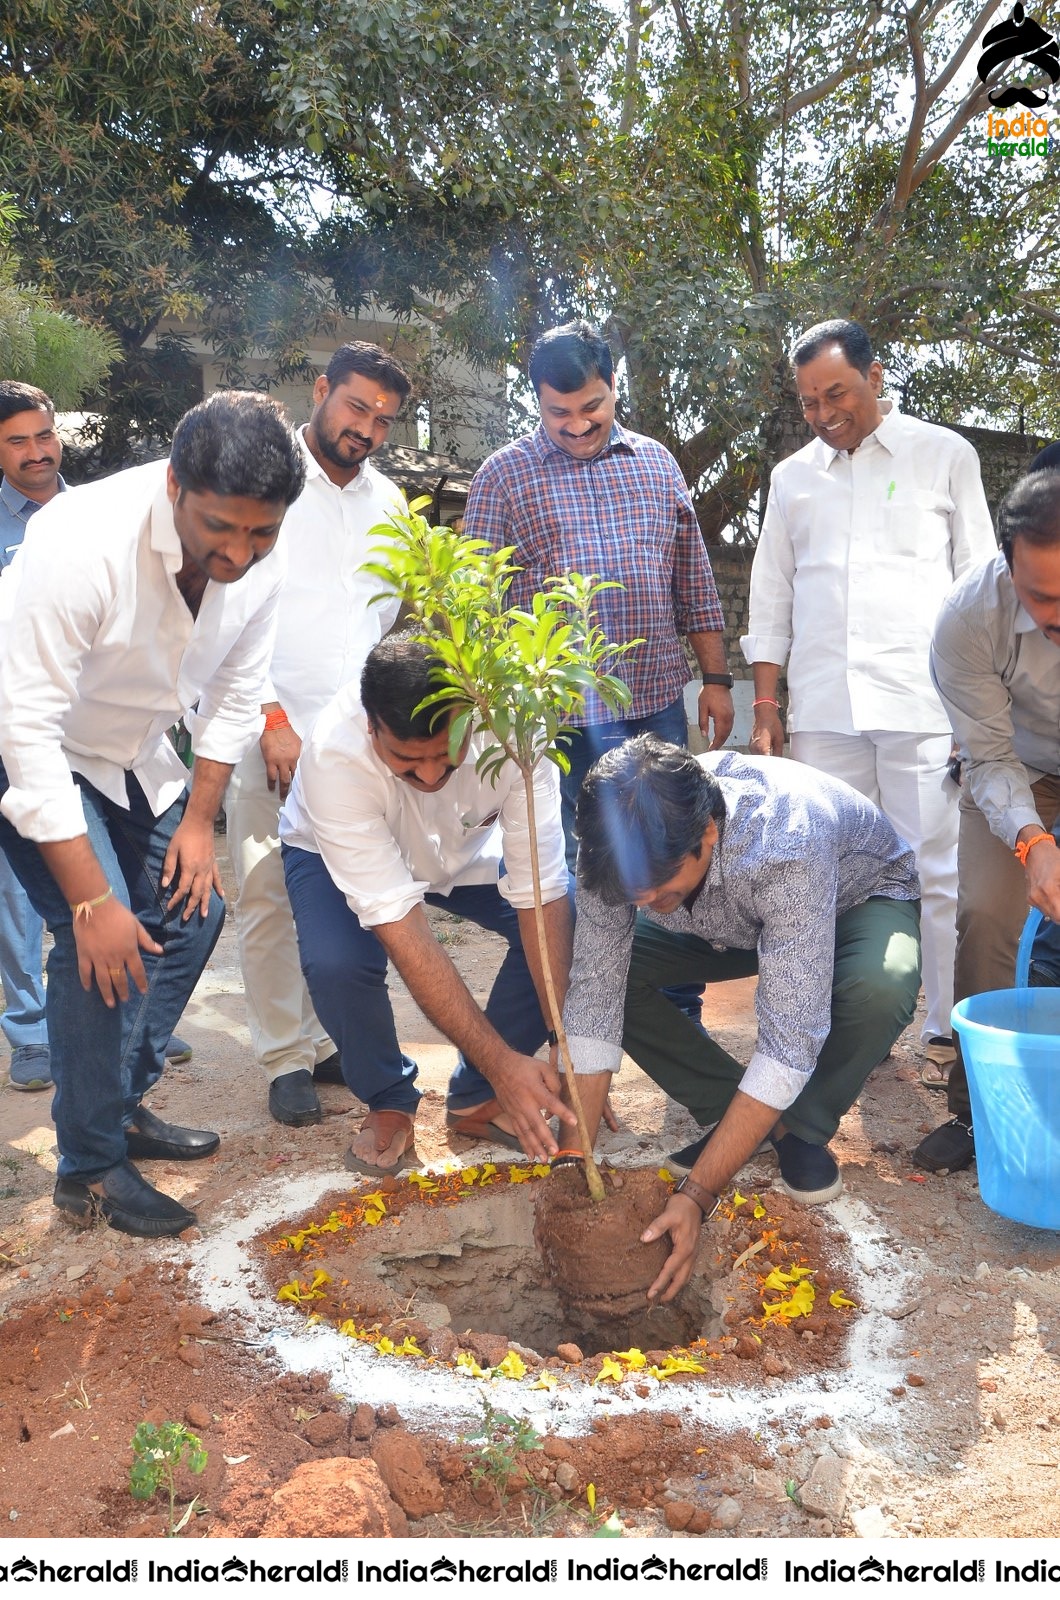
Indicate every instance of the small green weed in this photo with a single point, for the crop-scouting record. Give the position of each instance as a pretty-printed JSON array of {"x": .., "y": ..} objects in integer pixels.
[
  {"x": 159, "y": 1449},
  {"x": 499, "y": 1441}
]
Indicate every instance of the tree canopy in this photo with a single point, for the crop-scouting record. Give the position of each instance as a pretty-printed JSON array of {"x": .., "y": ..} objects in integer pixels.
[
  {"x": 39, "y": 344},
  {"x": 703, "y": 177}
]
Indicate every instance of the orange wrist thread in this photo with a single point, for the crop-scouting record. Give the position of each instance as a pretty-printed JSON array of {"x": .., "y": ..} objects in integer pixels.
[{"x": 1022, "y": 850}]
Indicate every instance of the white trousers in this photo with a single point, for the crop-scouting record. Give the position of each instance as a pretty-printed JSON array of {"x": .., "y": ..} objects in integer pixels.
[
  {"x": 905, "y": 775},
  {"x": 284, "y": 1030}
]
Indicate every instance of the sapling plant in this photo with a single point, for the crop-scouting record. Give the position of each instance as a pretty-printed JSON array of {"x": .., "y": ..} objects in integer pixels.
[
  {"x": 520, "y": 675},
  {"x": 158, "y": 1450}
]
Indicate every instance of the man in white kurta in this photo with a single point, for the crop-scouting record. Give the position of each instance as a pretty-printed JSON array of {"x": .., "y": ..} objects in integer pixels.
[
  {"x": 865, "y": 531},
  {"x": 331, "y": 614}
]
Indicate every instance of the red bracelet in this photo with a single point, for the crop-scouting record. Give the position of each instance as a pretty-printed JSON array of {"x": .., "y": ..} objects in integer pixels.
[
  {"x": 276, "y": 719},
  {"x": 765, "y": 702}
]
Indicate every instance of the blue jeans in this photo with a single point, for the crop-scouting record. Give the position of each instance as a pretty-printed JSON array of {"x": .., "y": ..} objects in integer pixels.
[
  {"x": 344, "y": 966},
  {"x": 104, "y": 1060},
  {"x": 590, "y": 742},
  {"x": 20, "y": 964}
]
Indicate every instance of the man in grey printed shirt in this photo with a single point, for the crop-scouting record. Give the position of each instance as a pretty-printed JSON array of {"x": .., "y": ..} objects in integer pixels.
[{"x": 738, "y": 865}]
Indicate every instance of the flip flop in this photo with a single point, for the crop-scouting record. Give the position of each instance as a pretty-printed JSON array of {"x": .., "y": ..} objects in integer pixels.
[
  {"x": 933, "y": 1076},
  {"x": 478, "y": 1125},
  {"x": 385, "y": 1124}
]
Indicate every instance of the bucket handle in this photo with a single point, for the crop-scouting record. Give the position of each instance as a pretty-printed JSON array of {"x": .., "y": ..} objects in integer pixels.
[{"x": 1035, "y": 918}]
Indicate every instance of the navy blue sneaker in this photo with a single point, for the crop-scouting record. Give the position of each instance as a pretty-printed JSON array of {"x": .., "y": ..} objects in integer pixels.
[
  {"x": 687, "y": 1158},
  {"x": 177, "y": 1050},
  {"x": 808, "y": 1172},
  {"x": 31, "y": 1067}
]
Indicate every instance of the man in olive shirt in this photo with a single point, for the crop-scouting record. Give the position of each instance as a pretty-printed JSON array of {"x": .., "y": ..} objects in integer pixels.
[{"x": 995, "y": 660}]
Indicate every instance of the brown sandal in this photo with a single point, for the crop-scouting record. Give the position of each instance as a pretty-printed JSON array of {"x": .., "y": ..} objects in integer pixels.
[
  {"x": 385, "y": 1125},
  {"x": 479, "y": 1124}
]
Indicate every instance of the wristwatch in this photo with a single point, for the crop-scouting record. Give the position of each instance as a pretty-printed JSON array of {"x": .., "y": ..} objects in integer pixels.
[
  {"x": 724, "y": 680},
  {"x": 708, "y": 1203}
]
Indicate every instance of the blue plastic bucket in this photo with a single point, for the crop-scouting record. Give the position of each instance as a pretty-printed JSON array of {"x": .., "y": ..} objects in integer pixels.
[{"x": 1010, "y": 1042}]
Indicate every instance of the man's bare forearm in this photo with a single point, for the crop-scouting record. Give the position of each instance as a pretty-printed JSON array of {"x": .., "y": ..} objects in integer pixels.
[
  {"x": 75, "y": 867},
  {"x": 209, "y": 779},
  {"x": 440, "y": 991},
  {"x": 559, "y": 937},
  {"x": 737, "y": 1136}
]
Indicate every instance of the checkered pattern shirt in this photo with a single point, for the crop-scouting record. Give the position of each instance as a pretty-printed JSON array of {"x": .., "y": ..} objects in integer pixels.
[{"x": 625, "y": 515}]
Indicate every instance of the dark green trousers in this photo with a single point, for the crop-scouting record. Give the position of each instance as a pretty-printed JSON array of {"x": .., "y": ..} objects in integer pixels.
[{"x": 875, "y": 985}]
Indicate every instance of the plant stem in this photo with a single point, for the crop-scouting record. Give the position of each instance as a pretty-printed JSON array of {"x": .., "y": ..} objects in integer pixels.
[{"x": 592, "y": 1171}]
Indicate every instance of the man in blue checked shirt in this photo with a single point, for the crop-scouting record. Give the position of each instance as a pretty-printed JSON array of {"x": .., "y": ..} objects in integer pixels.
[
  {"x": 582, "y": 494},
  {"x": 30, "y": 456}
]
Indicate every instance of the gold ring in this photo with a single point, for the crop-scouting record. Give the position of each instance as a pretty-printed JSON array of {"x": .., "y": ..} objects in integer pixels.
[{"x": 115, "y": 972}]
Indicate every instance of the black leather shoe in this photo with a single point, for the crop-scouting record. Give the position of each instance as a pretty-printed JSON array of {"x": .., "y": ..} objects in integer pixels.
[
  {"x": 128, "y": 1203},
  {"x": 151, "y": 1139},
  {"x": 293, "y": 1099},
  {"x": 329, "y": 1071},
  {"x": 950, "y": 1148}
]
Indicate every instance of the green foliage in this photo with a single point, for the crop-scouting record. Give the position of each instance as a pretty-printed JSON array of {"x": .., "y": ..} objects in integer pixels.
[
  {"x": 521, "y": 675},
  {"x": 703, "y": 177},
  {"x": 158, "y": 1450},
  {"x": 500, "y": 1441},
  {"x": 39, "y": 344}
]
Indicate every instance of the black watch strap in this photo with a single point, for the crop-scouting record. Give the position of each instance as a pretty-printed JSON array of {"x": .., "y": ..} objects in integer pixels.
[{"x": 724, "y": 680}]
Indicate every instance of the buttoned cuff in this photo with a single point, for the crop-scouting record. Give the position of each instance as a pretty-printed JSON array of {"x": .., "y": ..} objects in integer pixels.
[
  {"x": 765, "y": 647},
  {"x": 1017, "y": 819},
  {"x": 771, "y": 1082},
  {"x": 217, "y": 739},
  {"x": 593, "y": 1055}
]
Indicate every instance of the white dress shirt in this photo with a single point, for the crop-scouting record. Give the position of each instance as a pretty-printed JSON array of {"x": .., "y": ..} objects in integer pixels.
[
  {"x": 100, "y": 654},
  {"x": 327, "y": 622},
  {"x": 856, "y": 555},
  {"x": 386, "y": 845}
]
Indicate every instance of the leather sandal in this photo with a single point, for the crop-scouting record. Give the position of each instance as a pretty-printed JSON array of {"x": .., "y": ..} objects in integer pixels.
[
  {"x": 479, "y": 1124},
  {"x": 385, "y": 1125}
]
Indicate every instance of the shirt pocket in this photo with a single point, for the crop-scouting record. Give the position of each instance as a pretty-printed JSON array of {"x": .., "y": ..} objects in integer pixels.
[{"x": 916, "y": 527}]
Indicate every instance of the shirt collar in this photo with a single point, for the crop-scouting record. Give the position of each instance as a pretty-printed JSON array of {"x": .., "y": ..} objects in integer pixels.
[
  {"x": 885, "y": 433},
  {"x": 543, "y": 447},
  {"x": 313, "y": 469},
  {"x": 17, "y": 503},
  {"x": 162, "y": 528}
]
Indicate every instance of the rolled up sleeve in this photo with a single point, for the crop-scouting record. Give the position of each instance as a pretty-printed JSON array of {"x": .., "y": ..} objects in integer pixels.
[
  {"x": 517, "y": 882},
  {"x": 227, "y": 719},
  {"x": 768, "y": 636},
  {"x": 58, "y": 613},
  {"x": 979, "y": 706}
]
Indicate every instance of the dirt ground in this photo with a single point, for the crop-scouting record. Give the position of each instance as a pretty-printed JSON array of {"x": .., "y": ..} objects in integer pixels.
[{"x": 930, "y": 1409}]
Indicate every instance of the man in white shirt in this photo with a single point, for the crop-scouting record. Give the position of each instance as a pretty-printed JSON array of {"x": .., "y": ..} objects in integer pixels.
[
  {"x": 381, "y": 818},
  {"x": 331, "y": 614},
  {"x": 136, "y": 600},
  {"x": 865, "y": 531}
]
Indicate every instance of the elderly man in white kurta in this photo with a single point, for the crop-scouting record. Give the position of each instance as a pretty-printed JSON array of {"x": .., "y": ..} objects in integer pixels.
[
  {"x": 331, "y": 614},
  {"x": 866, "y": 529}
]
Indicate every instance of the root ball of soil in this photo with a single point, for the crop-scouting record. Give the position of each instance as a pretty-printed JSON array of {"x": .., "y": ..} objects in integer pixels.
[{"x": 593, "y": 1253}]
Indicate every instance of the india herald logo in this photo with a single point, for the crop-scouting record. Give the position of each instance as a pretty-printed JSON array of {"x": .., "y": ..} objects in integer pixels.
[{"x": 1021, "y": 39}]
